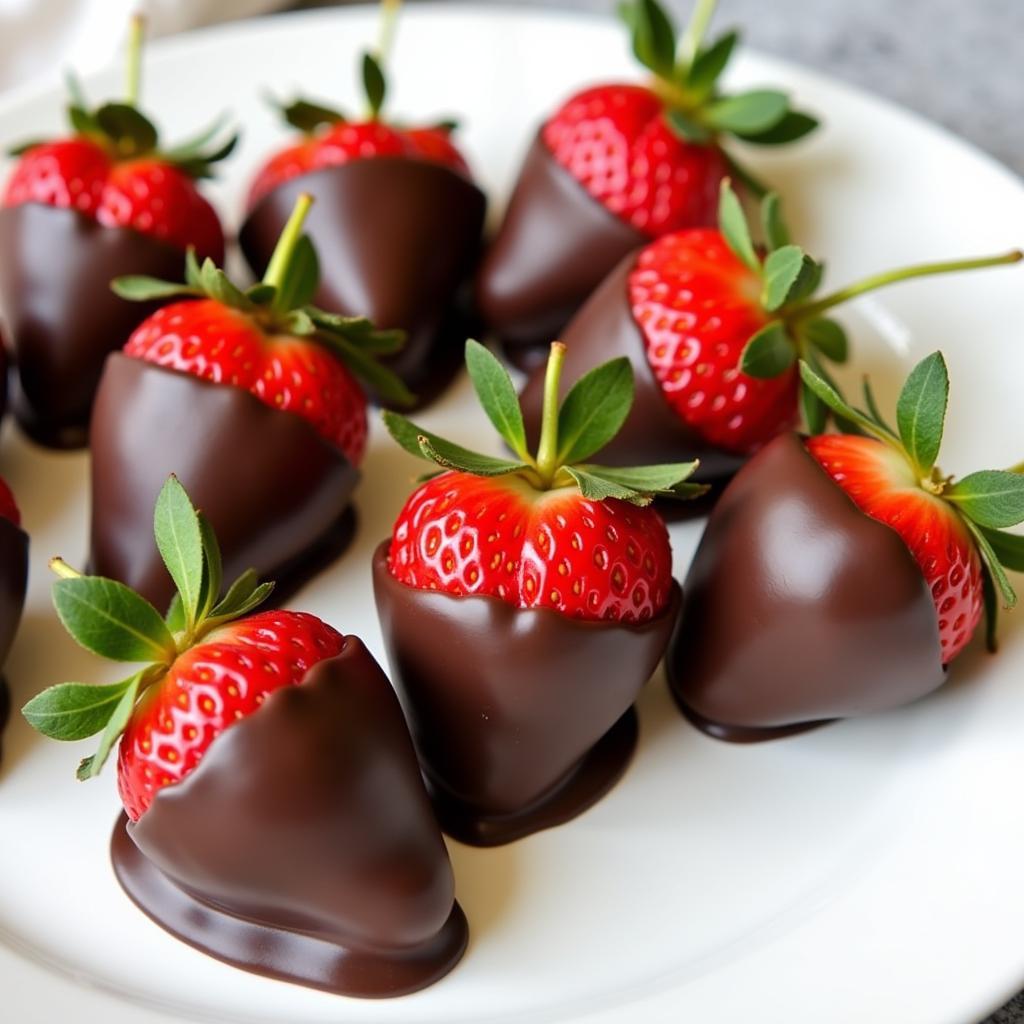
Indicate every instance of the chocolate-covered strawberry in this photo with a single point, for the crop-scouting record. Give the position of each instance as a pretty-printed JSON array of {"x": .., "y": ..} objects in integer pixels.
[
  {"x": 78, "y": 211},
  {"x": 524, "y": 604},
  {"x": 618, "y": 165},
  {"x": 274, "y": 812},
  {"x": 841, "y": 574},
  {"x": 13, "y": 582},
  {"x": 713, "y": 326},
  {"x": 254, "y": 399},
  {"x": 397, "y": 224}
]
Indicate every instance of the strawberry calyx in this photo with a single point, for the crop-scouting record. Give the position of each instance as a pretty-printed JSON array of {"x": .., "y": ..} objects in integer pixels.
[
  {"x": 282, "y": 304},
  {"x": 987, "y": 501},
  {"x": 125, "y": 133},
  {"x": 798, "y": 327},
  {"x": 686, "y": 79},
  {"x": 572, "y": 431},
  {"x": 110, "y": 619}
]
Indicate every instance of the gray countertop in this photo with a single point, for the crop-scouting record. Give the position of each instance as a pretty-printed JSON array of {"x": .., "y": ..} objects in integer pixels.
[{"x": 958, "y": 62}]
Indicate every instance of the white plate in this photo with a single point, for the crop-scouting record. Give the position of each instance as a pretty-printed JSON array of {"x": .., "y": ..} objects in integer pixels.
[{"x": 869, "y": 871}]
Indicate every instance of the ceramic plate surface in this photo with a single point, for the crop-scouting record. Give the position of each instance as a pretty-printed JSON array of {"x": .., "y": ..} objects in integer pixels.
[{"x": 869, "y": 871}]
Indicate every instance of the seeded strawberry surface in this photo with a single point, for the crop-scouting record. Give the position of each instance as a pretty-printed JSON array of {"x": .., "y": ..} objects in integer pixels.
[
  {"x": 209, "y": 688},
  {"x": 214, "y": 342},
  {"x": 463, "y": 535},
  {"x": 697, "y": 306},
  {"x": 147, "y": 195},
  {"x": 881, "y": 483},
  {"x": 614, "y": 140},
  {"x": 8, "y": 506}
]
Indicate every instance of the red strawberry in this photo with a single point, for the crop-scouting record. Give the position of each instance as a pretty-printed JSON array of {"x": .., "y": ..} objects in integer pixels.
[
  {"x": 882, "y": 483},
  {"x": 8, "y": 506},
  {"x": 207, "y": 666},
  {"x": 550, "y": 531},
  {"x": 112, "y": 170},
  {"x": 435, "y": 143},
  {"x": 297, "y": 360},
  {"x": 209, "y": 687},
  {"x": 952, "y": 528}
]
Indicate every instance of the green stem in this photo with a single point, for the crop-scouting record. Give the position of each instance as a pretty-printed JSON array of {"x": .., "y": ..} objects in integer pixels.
[
  {"x": 1019, "y": 468},
  {"x": 869, "y": 284},
  {"x": 63, "y": 570},
  {"x": 696, "y": 30},
  {"x": 547, "y": 450},
  {"x": 284, "y": 251},
  {"x": 133, "y": 65},
  {"x": 388, "y": 21}
]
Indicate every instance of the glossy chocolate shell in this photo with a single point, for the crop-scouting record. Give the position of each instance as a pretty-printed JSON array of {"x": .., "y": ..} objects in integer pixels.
[
  {"x": 13, "y": 584},
  {"x": 398, "y": 240},
  {"x": 799, "y": 608},
  {"x": 304, "y": 846},
  {"x": 522, "y": 718},
  {"x": 555, "y": 246},
  {"x": 62, "y": 319},
  {"x": 276, "y": 493}
]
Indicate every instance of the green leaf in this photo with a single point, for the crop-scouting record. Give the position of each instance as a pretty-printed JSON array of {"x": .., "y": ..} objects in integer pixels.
[
  {"x": 109, "y": 619},
  {"x": 1007, "y": 547},
  {"x": 83, "y": 122},
  {"x": 386, "y": 385},
  {"x": 668, "y": 480},
  {"x": 776, "y": 234},
  {"x": 193, "y": 145},
  {"x": 444, "y": 453},
  {"x": 74, "y": 87},
  {"x": 175, "y": 617},
  {"x": 301, "y": 279},
  {"x": 748, "y": 112},
  {"x": 373, "y": 83},
  {"x": 360, "y": 331},
  {"x": 732, "y": 222},
  {"x": 131, "y": 130},
  {"x": 597, "y": 488},
  {"x": 769, "y": 352},
  {"x": 193, "y": 272},
  {"x": 299, "y": 322},
  {"x": 238, "y": 593},
  {"x": 307, "y": 117},
  {"x": 991, "y": 601},
  {"x": 807, "y": 280},
  {"x": 137, "y": 288},
  {"x": 782, "y": 269},
  {"x": 872, "y": 407},
  {"x": 827, "y": 337},
  {"x": 654, "y": 37},
  {"x": 834, "y": 401},
  {"x": 594, "y": 410},
  {"x": 988, "y": 556},
  {"x": 116, "y": 724},
  {"x": 180, "y": 543},
  {"x": 218, "y": 286},
  {"x": 213, "y": 568},
  {"x": 73, "y": 711},
  {"x": 792, "y": 126},
  {"x": 991, "y": 497},
  {"x": 497, "y": 395},
  {"x": 814, "y": 411},
  {"x": 709, "y": 64},
  {"x": 686, "y": 128},
  {"x": 254, "y": 600},
  {"x": 921, "y": 411}
]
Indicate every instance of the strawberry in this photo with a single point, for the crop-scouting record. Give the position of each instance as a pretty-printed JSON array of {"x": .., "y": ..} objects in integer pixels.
[
  {"x": 8, "y": 506},
  {"x": 549, "y": 530},
  {"x": 954, "y": 529},
  {"x": 269, "y": 341},
  {"x": 113, "y": 171},
  {"x": 207, "y": 665}
]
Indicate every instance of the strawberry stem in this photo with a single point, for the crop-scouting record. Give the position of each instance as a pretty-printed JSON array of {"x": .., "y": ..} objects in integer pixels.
[
  {"x": 284, "y": 251},
  {"x": 875, "y": 281},
  {"x": 547, "y": 450},
  {"x": 388, "y": 21},
  {"x": 61, "y": 568},
  {"x": 133, "y": 66},
  {"x": 696, "y": 30}
]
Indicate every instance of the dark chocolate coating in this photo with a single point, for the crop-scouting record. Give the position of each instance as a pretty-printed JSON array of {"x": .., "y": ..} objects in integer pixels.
[
  {"x": 304, "y": 846},
  {"x": 555, "y": 246},
  {"x": 13, "y": 583},
  {"x": 799, "y": 607},
  {"x": 398, "y": 240},
  {"x": 504, "y": 703},
  {"x": 62, "y": 319},
  {"x": 653, "y": 433},
  {"x": 270, "y": 485}
]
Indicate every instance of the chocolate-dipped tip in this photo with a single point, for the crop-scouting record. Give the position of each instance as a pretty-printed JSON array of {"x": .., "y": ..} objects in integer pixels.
[
  {"x": 555, "y": 245},
  {"x": 327, "y": 867},
  {"x": 62, "y": 318},
  {"x": 799, "y": 607},
  {"x": 373, "y": 222},
  {"x": 269, "y": 512},
  {"x": 14, "y": 545},
  {"x": 510, "y": 733}
]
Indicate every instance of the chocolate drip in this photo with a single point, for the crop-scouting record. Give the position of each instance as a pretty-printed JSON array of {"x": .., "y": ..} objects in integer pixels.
[
  {"x": 653, "y": 433},
  {"x": 56, "y": 266},
  {"x": 304, "y": 846},
  {"x": 555, "y": 246},
  {"x": 274, "y": 490},
  {"x": 398, "y": 240},
  {"x": 799, "y": 608},
  {"x": 13, "y": 584},
  {"x": 507, "y": 705}
]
